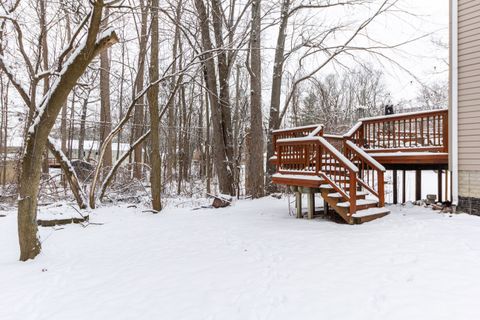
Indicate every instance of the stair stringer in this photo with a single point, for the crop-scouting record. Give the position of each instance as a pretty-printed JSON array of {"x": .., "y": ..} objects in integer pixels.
[{"x": 332, "y": 202}]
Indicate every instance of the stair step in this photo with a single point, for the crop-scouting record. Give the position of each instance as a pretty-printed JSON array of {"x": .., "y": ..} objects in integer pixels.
[
  {"x": 309, "y": 181},
  {"x": 325, "y": 186},
  {"x": 370, "y": 212},
  {"x": 338, "y": 195},
  {"x": 328, "y": 186},
  {"x": 360, "y": 202}
]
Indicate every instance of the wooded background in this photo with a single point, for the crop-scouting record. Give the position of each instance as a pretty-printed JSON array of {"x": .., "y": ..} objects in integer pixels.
[{"x": 197, "y": 73}]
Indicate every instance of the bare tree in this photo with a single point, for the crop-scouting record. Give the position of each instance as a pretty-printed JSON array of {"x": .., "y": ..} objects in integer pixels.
[
  {"x": 337, "y": 101},
  {"x": 316, "y": 45},
  {"x": 220, "y": 136},
  {"x": 155, "y": 160},
  {"x": 138, "y": 119},
  {"x": 43, "y": 122},
  {"x": 28, "y": 96},
  {"x": 171, "y": 134},
  {"x": 255, "y": 160},
  {"x": 276, "y": 91},
  {"x": 105, "y": 113},
  {"x": 217, "y": 81},
  {"x": 44, "y": 51}
]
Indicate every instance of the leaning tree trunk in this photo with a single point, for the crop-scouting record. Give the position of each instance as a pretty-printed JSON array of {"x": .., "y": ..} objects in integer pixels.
[
  {"x": 70, "y": 174},
  {"x": 274, "y": 119},
  {"x": 223, "y": 68},
  {"x": 43, "y": 123},
  {"x": 63, "y": 123},
  {"x": 220, "y": 136},
  {"x": 105, "y": 113}
]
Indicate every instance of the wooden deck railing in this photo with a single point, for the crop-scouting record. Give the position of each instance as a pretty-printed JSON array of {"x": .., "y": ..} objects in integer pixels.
[
  {"x": 345, "y": 163},
  {"x": 335, "y": 140},
  {"x": 316, "y": 156},
  {"x": 298, "y": 132},
  {"x": 297, "y": 156},
  {"x": 419, "y": 131}
]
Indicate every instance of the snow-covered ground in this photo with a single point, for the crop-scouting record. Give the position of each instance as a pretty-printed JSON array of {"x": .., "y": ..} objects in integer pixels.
[{"x": 250, "y": 261}]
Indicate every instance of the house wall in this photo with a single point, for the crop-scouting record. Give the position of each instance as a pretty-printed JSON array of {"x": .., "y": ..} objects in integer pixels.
[{"x": 469, "y": 106}]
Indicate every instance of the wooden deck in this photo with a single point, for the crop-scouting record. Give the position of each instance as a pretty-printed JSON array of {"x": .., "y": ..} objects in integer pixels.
[{"x": 352, "y": 166}]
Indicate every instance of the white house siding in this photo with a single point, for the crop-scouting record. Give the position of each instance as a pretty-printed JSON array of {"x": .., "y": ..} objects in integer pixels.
[{"x": 469, "y": 105}]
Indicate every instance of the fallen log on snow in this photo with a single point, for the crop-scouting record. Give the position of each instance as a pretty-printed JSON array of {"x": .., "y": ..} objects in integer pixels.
[{"x": 59, "y": 222}]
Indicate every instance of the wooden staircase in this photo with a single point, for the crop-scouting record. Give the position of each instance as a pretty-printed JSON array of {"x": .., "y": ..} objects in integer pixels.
[
  {"x": 314, "y": 165},
  {"x": 367, "y": 209},
  {"x": 344, "y": 169}
]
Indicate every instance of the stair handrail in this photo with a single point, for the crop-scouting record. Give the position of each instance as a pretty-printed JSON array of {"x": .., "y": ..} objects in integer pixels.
[
  {"x": 322, "y": 145},
  {"x": 359, "y": 153},
  {"x": 297, "y": 132}
]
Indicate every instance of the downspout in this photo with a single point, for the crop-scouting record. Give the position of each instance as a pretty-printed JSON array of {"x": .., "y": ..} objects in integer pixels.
[{"x": 454, "y": 98}]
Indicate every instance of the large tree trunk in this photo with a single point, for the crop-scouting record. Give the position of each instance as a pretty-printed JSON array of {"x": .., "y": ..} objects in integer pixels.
[
  {"x": 220, "y": 136},
  {"x": 152, "y": 95},
  {"x": 44, "y": 120},
  {"x": 224, "y": 98},
  {"x": 255, "y": 160},
  {"x": 274, "y": 119}
]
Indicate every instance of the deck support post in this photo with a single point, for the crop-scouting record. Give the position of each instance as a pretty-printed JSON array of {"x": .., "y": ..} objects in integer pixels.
[
  {"x": 325, "y": 207},
  {"x": 448, "y": 180},
  {"x": 404, "y": 188},
  {"x": 395, "y": 187},
  {"x": 440, "y": 189},
  {"x": 418, "y": 185},
  {"x": 311, "y": 204},
  {"x": 298, "y": 204}
]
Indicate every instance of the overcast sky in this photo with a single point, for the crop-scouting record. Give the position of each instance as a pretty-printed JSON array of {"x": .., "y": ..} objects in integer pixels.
[
  {"x": 425, "y": 59},
  {"x": 421, "y": 60}
]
